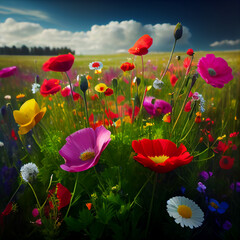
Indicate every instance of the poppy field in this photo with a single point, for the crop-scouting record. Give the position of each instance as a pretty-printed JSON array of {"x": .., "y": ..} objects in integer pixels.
[{"x": 125, "y": 146}]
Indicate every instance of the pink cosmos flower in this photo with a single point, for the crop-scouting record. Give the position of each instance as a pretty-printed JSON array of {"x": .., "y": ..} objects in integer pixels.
[
  {"x": 7, "y": 72},
  {"x": 156, "y": 107},
  {"x": 83, "y": 148},
  {"x": 215, "y": 71}
]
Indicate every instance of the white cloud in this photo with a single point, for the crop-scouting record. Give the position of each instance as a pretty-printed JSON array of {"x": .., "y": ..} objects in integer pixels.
[
  {"x": 110, "y": 38},
  {"x": 225, "y": 42},
  {"x": 26, "y": 12}
]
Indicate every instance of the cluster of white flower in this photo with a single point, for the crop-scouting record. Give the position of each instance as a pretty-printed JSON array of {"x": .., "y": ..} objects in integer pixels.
[
  {"x": 35, "y": 87},
  {"x": 29, "y": 172}
]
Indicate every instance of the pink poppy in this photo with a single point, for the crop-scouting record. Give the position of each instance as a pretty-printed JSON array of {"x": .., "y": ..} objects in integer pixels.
[
  {"x": 215, "y": 71},
  {"x": 7, "y": 72},
  {"x": 83, "y": 148}
]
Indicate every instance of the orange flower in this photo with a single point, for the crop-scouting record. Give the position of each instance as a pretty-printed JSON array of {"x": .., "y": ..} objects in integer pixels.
[{"x": 20, "y": 96}]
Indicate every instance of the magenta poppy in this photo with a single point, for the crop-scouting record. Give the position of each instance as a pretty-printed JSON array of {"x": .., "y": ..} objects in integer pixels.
[
  {"x": 83, "y": 148},
  {"x": 8, "y": 72},
  {"x": 156, "y": 107},
  {"x": 215, "y": 71}
]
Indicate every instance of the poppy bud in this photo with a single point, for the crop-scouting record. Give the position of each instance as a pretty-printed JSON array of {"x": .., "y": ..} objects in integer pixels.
[
  {"x": 136, "y": 100},
  {"x": 138, "y": 80},
  {"x": 115, "y": 83},
  {"x": 178, "y": 31},
  {"x": 37, "y": 79},
  {"x": 190, "y": 52},
  {"x": 84, "y": 83}
]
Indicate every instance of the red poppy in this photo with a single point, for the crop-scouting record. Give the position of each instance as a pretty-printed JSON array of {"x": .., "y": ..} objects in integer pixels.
[
  {"x": 76, "y": 96},
  {"x": 173, "y": 80},
  {"x": 61, "y": 63},
  {"x": 226, "y": 162},
  {"x": 66, "y": 92},
  {"x": 50, "y": 86},
  {"x": 95, "y": 96},
  {"x": 6, "y": 212},
  {"x": 210, "y": 138},
  {"x": 190, "y": 52},
  {"x": 141, "y": 46},
  {"x": 221, "y": 147},
  {"x": 111, "y": 114},
  {"x": 187, "y": 107},
  {"x": 89, "y": 206},
  {"x": 160, "y": 155},
  {"x": 120, "y": 98},
  {"x": 108, "y": 92},
  {"x": 127, "y": 66}
]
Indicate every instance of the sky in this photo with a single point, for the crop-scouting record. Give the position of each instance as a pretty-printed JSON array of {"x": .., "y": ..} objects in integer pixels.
[{"x": 103, "y": 26}]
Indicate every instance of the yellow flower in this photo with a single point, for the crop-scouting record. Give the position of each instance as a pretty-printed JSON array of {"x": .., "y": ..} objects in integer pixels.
[
  {"x": 221, "y": 138},
  {"x": 98, "y": 71},
  {"x": 101, "y": 87},
  {"x": 28, "y": 116},
  {"x": 20, "y": 96},
  {"x": 127, "y": 119},
  {"x": 118, "y": 123}
]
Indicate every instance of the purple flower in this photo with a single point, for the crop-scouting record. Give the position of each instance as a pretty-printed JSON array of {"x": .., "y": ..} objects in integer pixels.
[
  {"x": 7, "y": 72},
  {"x": 205, "y": 175},
  {"x": 215, "y": 71},
  {"x": 227, "y": 225},
  {"x": 235, "y": 186},
  {"x": 201, "y": 187},
  {"x": 83, "y": 148},
  {"x": 156, "y": 107},
  {"x": 110, "y": 74}
]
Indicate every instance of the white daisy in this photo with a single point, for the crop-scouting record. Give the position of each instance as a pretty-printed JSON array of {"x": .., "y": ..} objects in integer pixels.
[
  {"x": 185, "y": 211},
  {"x": 29, "y": 171},
  {"x": 158, "y": 84}
]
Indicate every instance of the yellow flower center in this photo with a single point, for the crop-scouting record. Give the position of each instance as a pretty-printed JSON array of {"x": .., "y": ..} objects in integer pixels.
[
  {"x": 87, "y": 155},
  {"x": 159, "y": 159},
  {"x": 214, "y": 205},
  {"x": 184, "y": 211}
]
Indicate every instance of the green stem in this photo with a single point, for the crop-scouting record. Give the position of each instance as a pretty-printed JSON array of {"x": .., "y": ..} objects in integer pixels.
[
  {"x": 151, "y": 204},
  {"x": 69, "y": 81},
  {"x": 73, "y": 193},
  {"x": 143, "y": 72},
  {"x": 35, "y": 195},
  {"x": 187, "y": 132},
  {"x": 20, "y": 184},
  {"x": 85, "y": 104},
  {"x": 170, "y": 58},
  {"x": 143, "y": 186},
  {"x": 98, "y": 178}
]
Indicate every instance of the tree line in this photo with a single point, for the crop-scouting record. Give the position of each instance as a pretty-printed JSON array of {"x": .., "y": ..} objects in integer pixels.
[{"x": 24, "y": 50}]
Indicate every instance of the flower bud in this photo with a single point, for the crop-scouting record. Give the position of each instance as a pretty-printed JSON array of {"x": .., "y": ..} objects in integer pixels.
[
  {"x": 178, "y": 31},
  {"x": 37, "y": 79},
  {"x": 115, "y": 83},
  {"x": 84, "y": 83}
]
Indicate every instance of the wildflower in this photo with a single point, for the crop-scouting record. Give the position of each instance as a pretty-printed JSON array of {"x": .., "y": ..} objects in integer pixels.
[
  {"x": 120, "y": 99},
  {"x": 7, "y": 97},
  {"x": 167, "y": 118},
  {"x": 61, "y": 63},
  {"x": 234, "y": 134},
  {"x": 35, "y": 212},
  {"x": 160, "y": 155},
  {"x": 222, "y": 137},
  {"x": 215, "y": 71},
  {"x": 235, "y": 186},
  {"x": 190, "y": 52},
  {"x": 50, "y": 86},
  {"x": 89, "y": 206},
  {"x": 8, "y": 72},
  {"x": 66, "y": 91},
  {"x": 108, "y": 92},
  {"x": 141, "y": 46},
  {"x": 101, "y": 87},
  {"x": 200, "y": 139},
  {"x": 205, "y": 175},
  {"x": 28, "y": 116},
  {"x": 210, "y": 138},
  {"x": 95, "y": 96},
  {"x": 227, "y": 225},
  {"x": 226, "y": 162},
  {"x": 215, "y": 206},
  {"x": 88, "y": 77},
  {"x": 158, "y": 84},
  {"x": 221, "y": 147},
  {"x": 198, "y": 117},
  {"x": 21, "y": 95},
  {"x": 156, "y": 107},
  {"x": 201, "y": 187},
  {"x": 95, "y": 66},
  {"x": 187, "y": 107},
  {"x": 35, "y": 87},
  {"x": 29, "y": 172},
  {"x": 186, "y": 62},
  {"x": 1, "y": 144},
  {"x": 178, "y": 31},
  {"x": 127, "y": 66},
  {"x": 202, "y": 103},
  {"x": 83, "y": 148},
  {"x": 6, "y": 212},
  {"x": 185, "y": 211},
  {"x": 173, "y": 80}
]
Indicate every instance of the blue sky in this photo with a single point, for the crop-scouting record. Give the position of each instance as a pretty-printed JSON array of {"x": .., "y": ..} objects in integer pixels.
[{"x": 210, "y": 25}]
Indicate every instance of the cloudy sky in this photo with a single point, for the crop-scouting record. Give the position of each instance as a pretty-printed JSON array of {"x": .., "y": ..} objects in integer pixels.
[{"x": 103, "y": 26}]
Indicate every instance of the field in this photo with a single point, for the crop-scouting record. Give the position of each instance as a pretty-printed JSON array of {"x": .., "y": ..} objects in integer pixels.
[{"x": 124, "y": 193}]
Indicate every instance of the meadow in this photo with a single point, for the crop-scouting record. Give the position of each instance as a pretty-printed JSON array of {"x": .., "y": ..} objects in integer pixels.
[{"x": 123, "y": 188}]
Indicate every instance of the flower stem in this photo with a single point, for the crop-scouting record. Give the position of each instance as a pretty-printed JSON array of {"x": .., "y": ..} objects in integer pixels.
[
  {"x": 95, "y": 170},
  {"x": 170, "y": 58},
  {"x": 85, "y": 104},
  {"x": 20, "y": 184},
  {"x": 151, "y": 204},
  {"x": 73, "y": 193},
  {"x": 35, "y": 195},
  {"x": 69, "y": 81},
  {"x": 143, "y": 72}
]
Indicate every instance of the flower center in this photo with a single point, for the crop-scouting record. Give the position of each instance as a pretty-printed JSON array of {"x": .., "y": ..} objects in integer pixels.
[
  {"x": 159, "y": 159},
  {"x": 184, "y": 211},
  {"x": 87, "y": 155},
  {"x": 101, "y": 89},
  {"x": 212, "y": 72},
  {"x": 214, "y": 205},
  {"x": 225, "y": 161}
]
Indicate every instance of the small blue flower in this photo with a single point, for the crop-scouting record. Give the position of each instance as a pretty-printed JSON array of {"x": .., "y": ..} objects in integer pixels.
[
  {"x": 214, "y": 206},
  {"x": 201, "y": 187}
]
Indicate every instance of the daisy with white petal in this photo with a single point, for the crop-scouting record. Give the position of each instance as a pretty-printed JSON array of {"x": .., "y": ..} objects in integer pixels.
[{"x": 185, "y": 211}]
